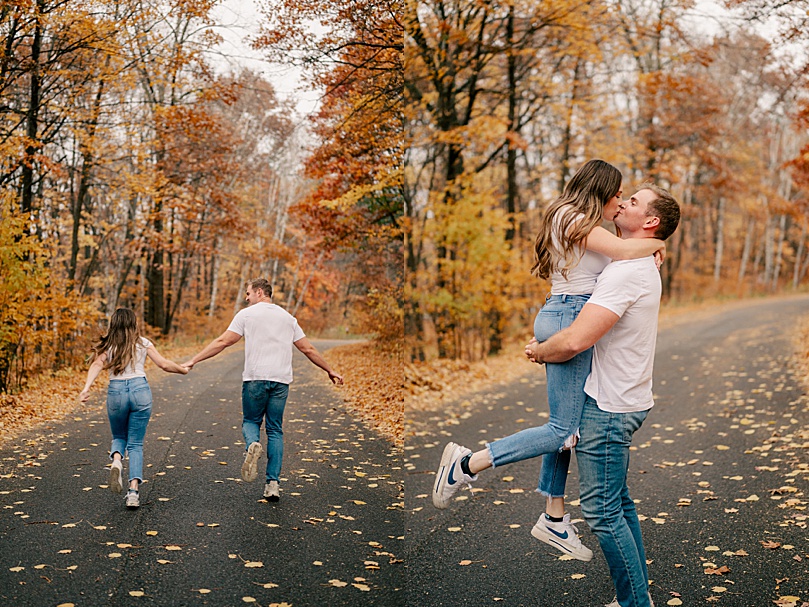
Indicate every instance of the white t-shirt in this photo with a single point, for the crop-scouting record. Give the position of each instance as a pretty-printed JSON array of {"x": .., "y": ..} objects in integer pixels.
[
  {"x": 581, "y": 277},
  {"x": 135, "y": 366},
  {"x": 269, "y": 332},
  {"x": 620, "y": 378}
]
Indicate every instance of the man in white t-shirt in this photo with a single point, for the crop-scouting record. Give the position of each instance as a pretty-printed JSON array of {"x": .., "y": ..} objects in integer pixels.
[
  {"x": 269, "y": 333},
  {"x": 620, "y": 319}
]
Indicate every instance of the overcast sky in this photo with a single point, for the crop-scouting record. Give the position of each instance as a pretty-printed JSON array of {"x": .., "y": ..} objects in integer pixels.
[{"x": 239, "y": 21}]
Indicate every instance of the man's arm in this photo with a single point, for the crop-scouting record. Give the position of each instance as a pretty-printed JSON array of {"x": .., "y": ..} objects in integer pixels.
[
  {"x": 592, "y": 324},
  {"x": 308, "y": 350},
  {"x": 227, "y": 339}
]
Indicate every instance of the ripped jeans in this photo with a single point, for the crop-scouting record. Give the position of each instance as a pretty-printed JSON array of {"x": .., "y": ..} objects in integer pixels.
[{"x": 565, "y": 400}]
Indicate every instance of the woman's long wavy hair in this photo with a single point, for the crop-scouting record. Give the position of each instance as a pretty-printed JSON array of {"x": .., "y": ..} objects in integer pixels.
[
  {"x": 120, "y": 341},
  {"x": 593, "y": 185}
]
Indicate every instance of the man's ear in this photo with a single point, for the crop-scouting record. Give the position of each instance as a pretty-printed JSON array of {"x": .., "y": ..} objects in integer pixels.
[{"x": 652, "y": 221}]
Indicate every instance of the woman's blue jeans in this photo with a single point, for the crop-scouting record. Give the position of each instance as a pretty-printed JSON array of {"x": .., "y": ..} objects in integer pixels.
[
  {"x": 129, "y": 407},
  {"x": 265, "y": 400},
  {"x": 565, "y": 401},
  {"x": 603, "y": 458}
]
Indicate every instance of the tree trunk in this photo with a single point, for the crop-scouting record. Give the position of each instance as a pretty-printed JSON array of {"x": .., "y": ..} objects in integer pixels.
[
  {"x": 720, "y": 240},
  {"x": 769, "y": 248},
  {"x": 779, "y": 252},
  {"x": 214, "y": 280},
  {"x": 796, "y": 273},
  {"x": 511, "y": 151},
  {"x": 32, "y": 116},
  {"x": 748, "y": 243},
  {"x": 155, "y": 309},
  {"x": 80, "y": 202}
]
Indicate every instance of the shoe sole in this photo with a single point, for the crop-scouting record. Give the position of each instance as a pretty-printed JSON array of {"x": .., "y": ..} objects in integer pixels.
[
  {"x": 250, "y": 465},
  {"x": 440, "y": 480},
  {"x": 273, "y": 498},
  {"x": 543, "y": 536},
  {"x": 135, "y": 507},
  {"x": 116, "y": 486}
]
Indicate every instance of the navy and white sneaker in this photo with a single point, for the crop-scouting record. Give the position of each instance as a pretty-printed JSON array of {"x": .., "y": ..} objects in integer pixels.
[
  {"x": 561, "y": 536},
  {"x": 450, "y": 477}
]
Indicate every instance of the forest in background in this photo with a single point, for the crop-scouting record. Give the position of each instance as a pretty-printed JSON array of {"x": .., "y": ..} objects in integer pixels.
[
  {"x": 134, "y": 174},
  {"x": 503, "y": 102}
]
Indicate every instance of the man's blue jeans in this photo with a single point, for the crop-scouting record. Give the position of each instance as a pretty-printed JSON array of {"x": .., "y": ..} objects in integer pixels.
[
  {"x": 265, "y": 400},
  {"x": 565, "y": 402},
  {"x": 603, "y": 457},
  {"x": 129, "y": 407}
]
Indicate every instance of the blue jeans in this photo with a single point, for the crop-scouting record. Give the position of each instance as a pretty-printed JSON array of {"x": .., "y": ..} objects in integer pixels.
[
  {"x": 129, "y": 407},
  {"x": 265, "y": 400},
  {"x": 565, "y": 401},
  {"x": 603, "y": 457}
]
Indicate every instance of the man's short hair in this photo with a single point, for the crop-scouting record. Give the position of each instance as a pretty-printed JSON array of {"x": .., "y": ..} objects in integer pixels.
[
  {"x": 665, "y": 207},
  {"x": 263, "y": 284}
]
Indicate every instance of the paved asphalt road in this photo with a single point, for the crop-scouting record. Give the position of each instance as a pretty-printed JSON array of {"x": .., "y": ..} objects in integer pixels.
[
  {"x": 721, "y": 468},
  {"x": 334, "y": 538}
]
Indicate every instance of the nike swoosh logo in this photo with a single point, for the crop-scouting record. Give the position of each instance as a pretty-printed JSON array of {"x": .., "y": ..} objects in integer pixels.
[
  {"x": 450, "y": 479},
  {"x": 561, "y": 536},
  {"x": 438, "y": 480}
]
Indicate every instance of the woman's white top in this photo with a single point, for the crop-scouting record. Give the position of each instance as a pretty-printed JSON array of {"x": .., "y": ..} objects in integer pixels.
[
  {"x": 583, "y": 268},
  {"x": 135, "y": 366}
]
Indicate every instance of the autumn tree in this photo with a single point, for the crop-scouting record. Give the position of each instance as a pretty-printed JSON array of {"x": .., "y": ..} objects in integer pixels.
[{"x": 354, "y": 57}]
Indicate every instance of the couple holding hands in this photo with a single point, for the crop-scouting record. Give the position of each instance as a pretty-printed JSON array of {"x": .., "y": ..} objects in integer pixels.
[{"x": 269, "y": 332}]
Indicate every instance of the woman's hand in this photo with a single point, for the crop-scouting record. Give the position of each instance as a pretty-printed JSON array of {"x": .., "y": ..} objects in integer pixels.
[
  {"x": 530, "y": 351},
  {"x": 84, "y": 396},
  {"x": 660, "y": 256}
]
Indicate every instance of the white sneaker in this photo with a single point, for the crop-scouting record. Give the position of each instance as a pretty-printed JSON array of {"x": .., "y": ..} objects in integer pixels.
[
  {"x": 561, "y": 536},
  {"x": 572, "y": 440},
  {"x": 116, "y": 471},
  {"x": 450, "y": 477},
  {"x": 271, "y": 491},
  {"x": 250, "y": 465},
  {"x": 132, "y": 499},
  {"x": 615, "y": 602}
]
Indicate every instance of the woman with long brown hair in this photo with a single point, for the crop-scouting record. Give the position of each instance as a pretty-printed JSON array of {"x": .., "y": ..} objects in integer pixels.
[
  {"x": 571, "y": 250},
  {"x": 123, "y": 351}
]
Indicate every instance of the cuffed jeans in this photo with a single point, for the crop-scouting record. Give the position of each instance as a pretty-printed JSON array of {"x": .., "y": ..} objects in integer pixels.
[
  {"x": 565, "y": 401},
  {"x": 265, "y": 400},
  {"x": 603, "y": 458},
  {"x": 129, "y": 407}
]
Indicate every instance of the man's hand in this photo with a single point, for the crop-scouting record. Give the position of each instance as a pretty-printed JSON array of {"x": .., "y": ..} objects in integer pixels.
[
  {"x": 530, "y": 351},
  {"x": 335, "y": 378},
  {"x": 188, "y": 365}
]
